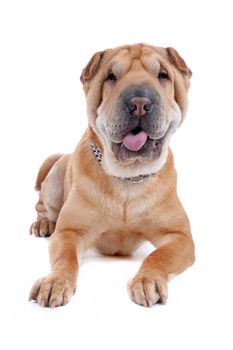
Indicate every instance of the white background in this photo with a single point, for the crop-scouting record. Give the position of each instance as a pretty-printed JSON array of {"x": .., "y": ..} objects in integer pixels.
[{"x": 43, "y": 47}]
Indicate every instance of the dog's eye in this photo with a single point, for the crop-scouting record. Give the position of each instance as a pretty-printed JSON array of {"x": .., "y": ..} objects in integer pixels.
[
  {"x": 163, "y": 75},
  {"x": 112, "y": 77}
]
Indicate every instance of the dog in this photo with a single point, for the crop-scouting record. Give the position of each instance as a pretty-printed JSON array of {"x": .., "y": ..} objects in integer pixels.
[{"x": 118, "y": 188}]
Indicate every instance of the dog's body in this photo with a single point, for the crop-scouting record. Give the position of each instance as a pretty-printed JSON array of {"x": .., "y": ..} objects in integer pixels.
[{"x": 118, "y": 188}]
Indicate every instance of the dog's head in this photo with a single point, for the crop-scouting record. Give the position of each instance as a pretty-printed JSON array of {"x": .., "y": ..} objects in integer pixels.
[{"x": 136, "y": 99}]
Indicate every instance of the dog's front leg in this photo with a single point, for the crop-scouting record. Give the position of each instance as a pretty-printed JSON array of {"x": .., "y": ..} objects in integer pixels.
[
  {"x": 59, "y": 286},
  {"x": 149, "y": 286},
  {"x": 175, "y": 253}
]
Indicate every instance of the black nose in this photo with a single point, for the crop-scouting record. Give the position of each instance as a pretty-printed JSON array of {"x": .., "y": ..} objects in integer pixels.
[{"x": 139, "y": 106}]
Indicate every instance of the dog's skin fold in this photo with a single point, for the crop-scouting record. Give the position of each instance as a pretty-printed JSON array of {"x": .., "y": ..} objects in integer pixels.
[{"x": 136, "y": 99}]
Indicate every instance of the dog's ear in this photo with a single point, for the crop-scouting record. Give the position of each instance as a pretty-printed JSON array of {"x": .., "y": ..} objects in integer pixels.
[
  {"x": 178, "y": 62},
  {"x": 92, "y": 66},
  {"x": 182, "y": 80}
]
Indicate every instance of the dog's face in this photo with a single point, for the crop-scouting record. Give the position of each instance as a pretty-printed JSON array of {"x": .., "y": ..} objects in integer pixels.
[{"x": 136, "y": 99}]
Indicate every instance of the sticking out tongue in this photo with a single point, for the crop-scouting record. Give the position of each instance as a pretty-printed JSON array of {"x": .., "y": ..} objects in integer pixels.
[{"x": 135, "y": 142}]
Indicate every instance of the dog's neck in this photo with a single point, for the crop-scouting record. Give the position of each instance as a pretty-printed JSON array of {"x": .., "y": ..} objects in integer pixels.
[{"x": 134, "y": 179}]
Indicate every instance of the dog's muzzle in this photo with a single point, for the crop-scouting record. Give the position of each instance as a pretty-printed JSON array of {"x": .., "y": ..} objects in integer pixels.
[{"x": 138, "y": 124}]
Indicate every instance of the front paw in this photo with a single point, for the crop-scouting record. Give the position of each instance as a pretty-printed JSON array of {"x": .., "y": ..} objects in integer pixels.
[
  {"x": 148, "y": 290},
  {"x": 52, "y": 291}
]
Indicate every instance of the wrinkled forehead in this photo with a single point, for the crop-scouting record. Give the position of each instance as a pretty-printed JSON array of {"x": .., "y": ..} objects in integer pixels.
[{"x": 124, "y": 59}]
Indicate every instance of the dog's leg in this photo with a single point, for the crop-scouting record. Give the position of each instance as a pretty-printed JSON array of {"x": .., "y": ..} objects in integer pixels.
[
  {"x": 175, "y": 253},
  {"x": 57, "y": 288},
  {"x": 50, "y": 183},
  {"x": 149, "y": 286},
  {"x": 71, "y": 237}
]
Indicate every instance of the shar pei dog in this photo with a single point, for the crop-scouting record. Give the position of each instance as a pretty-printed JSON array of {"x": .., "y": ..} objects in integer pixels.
[{"x": 118, "y": 188}]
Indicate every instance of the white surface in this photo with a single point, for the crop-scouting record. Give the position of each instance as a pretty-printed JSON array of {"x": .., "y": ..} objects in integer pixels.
[{"x": 44, "y": 46}]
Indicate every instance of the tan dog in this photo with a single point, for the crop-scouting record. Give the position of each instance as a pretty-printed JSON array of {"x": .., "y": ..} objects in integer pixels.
[{"x": 118, "y": 188}]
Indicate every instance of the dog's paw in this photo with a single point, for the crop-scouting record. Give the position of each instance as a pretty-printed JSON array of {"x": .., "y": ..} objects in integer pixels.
[
  {"x": 52, "y": 291},
  {"x": 42, "y": 228},
  {"x": 148, "y": 290}
]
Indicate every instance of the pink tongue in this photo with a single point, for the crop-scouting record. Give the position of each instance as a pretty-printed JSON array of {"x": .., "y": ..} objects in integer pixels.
[{"x": 135, "y": 142}]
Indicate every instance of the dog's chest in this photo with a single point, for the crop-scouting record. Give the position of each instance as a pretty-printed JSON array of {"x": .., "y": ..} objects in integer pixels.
[
  {"x": 123, "y": 217},
  {"x": 124, "y": 226},
  {"x": 127, "y": 213}
]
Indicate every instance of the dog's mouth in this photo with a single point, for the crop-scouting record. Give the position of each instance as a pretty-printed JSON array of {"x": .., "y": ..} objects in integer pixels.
[
  {"x": 137, "y": 144},
  {"x": 135, "y": 139}
]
